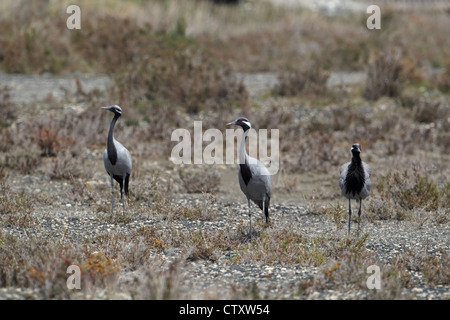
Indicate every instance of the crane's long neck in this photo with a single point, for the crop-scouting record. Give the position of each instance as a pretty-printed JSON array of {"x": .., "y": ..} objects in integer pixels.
[
  {"x": 243, "y": 160},
  {"x": 110, "y": 146},
  {"x": 242, "y": 150},
  {"x": 356, "y": 159}
]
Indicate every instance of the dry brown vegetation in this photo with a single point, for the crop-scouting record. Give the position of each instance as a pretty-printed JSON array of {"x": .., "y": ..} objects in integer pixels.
[{"x": 174, "y": 63}]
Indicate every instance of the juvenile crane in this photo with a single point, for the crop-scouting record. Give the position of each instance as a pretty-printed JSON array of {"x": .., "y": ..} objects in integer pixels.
[
  {"x": 254, "y": 178},
  {"x": 355, "y": 181},
  {"x": 117, "y": 159}
]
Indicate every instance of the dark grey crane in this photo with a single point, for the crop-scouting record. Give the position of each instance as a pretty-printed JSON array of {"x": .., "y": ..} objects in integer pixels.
[
  {"x": 355, "y": 181},
  {"x": 117, "y": 159},
  {"x": 254, "y": 178}
]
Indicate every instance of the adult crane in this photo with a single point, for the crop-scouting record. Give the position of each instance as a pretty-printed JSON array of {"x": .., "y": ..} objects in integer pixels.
[
  {"x": 254, "y": 178},
  {"x": 355, "y": 181},
  {"x": 117, "y": 159}
]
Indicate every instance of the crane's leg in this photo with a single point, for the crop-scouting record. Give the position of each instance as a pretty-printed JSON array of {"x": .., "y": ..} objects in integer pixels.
[
  {"x": 359, "y": 212},
  {"x": 121, "y": 192},
  {"x": 112, "y": 194},
  {"x": 349, "y": 214},
  {"x": 263, "y": 212},
  {"x": 250, "y": 216}
]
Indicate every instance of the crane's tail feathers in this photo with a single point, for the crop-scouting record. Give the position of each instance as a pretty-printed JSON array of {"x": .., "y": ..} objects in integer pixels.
[
  {"x": 119, "y": 179},
  {"x": 127, "y": 180},
  {"x": 266, "y": 209}
]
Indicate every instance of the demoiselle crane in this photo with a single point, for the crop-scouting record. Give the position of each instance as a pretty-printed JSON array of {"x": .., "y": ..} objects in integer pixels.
[
  {"x": 355, "y": 181},
  {"x": 117, "y": 159},
  {"x": 254, "y": 178}
]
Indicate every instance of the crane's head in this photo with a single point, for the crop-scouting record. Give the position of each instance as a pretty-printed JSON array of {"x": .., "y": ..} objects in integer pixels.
[
  {"x": 114, "y": 109},
  {"x": 356, "y": 149},
  {"x": 243, "y": 122}
]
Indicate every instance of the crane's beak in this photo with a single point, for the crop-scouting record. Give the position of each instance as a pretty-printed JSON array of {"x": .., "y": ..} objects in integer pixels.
[
  {"x": 230, "y": 123},
  {"x": 106, "y": 108}
]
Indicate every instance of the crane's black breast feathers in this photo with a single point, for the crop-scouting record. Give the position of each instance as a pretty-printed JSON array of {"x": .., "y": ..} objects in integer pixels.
[
  {"x": 354, "y": 181},
  {"x": 246, "y": 173},
  {"x": 112, "y": 154}
]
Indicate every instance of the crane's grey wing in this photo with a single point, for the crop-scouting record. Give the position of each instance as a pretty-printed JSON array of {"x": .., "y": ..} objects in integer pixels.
[
  {"x": 124, "y": 162},
  {"x": 125, "y": 158},
  {"x": 367, "y": 175},
  {"x": 105, "y": 156},
  {"x": 260, "y": 184},
  {"x": 266, "y": 177},
  {"x": 262, "y": 177},
  {"x": 343, "y": 173}
]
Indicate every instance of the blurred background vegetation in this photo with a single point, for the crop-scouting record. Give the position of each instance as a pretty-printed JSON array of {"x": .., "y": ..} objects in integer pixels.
[{"x": 174, "y": 61}]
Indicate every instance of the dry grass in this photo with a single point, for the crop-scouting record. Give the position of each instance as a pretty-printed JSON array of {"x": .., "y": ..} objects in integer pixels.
[
  {"x": 443, "y": 81},
  {"x": 172, "y": 63},
  {"x": 237, "y": 34},
  {"x": 15, "y": 207},
  {"x": 310, "y": 81},
  {"x": 433, "y": 266},
  {"x": 412, "y": 195},
  {"x": 9, "y": 109},
  {"x": 384, "y": 75},
  {"x": 200, "y": 179}
]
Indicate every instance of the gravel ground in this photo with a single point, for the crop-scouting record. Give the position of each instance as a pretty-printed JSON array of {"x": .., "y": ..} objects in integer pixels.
[{"x": 65, "y": 220}]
